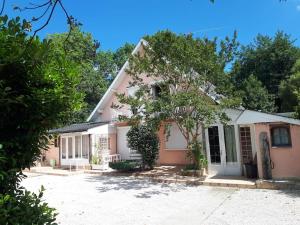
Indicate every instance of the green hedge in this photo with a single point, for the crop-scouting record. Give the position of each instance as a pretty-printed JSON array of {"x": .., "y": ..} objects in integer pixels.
[{"x": 128, "y": 165}]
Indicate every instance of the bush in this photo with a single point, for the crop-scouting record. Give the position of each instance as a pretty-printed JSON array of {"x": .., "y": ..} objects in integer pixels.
[
  {"x": 25, "y": 208},
  {"x": 145, "y": 141},
  {"x": 126, "y": 166}
]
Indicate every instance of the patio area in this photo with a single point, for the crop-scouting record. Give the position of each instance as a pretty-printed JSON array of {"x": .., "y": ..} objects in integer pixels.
[
  {"x": 123, "y": 200},
  {"x": 172, "y": 174}
]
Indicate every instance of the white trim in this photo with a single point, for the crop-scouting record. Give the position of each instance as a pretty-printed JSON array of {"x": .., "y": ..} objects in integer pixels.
[{"x": 116, "y": 80}]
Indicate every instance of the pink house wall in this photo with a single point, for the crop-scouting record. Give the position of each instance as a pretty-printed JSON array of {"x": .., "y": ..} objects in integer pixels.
[
  {"x": 51, "y": 153},
  {"x": 286, "y": 159},
  {"x": 113, "y": 143},
  {"x": 108, "y": 112}
]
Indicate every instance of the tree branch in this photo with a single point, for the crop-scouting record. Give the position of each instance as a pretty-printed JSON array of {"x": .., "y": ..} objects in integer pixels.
[{"x": 2, "y": 7}]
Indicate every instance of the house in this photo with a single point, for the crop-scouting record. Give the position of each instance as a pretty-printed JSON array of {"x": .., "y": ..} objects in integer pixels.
[{"x": 270, "y": 141}]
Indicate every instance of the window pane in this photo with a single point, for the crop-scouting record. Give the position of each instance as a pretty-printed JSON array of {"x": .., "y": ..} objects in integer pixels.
[
  {"x": 85, "y": 146},
  {"x": 70, "y": 148},
  {"x": 280, "y": 136},
  {"x": 214, "y": 145},
  {"x": 230, "y": 146},
  {"x": 63, "y": 148},
  {"x": 284, "y": 136},
  {"x": 78, "y": 147}
]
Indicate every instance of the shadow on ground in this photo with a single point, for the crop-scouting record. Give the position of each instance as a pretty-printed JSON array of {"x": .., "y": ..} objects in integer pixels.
[
  {"x": 144, "y": 187},
  {"x": 291, "y": 193}
]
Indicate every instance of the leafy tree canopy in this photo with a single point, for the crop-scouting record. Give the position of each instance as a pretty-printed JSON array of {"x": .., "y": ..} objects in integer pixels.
[
  {"x": 255, "y": 96},
  {"x": 289, "y": 91},
  {"x": 96, "y": 68},
  {"x": 269, "y": 59}
]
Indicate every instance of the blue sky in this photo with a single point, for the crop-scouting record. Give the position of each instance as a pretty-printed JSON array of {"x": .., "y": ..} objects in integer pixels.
[{"x": 114, "y": 22}]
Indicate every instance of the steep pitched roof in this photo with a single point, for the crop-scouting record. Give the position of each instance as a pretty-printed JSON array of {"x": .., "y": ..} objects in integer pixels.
[{"x": 117, "y": 81}]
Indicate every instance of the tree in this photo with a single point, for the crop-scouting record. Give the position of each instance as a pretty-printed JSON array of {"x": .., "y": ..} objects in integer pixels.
[
  {"x": 185, "y": 69},
  {"x": 255, "y": 96},
  {"x": 270, "y": 60},
  {"x": 289, "y": 91},
  {"x": 37, "y": 92},
  {"x": 97, "y": 68},
  {"x": 81, "y": 49}
]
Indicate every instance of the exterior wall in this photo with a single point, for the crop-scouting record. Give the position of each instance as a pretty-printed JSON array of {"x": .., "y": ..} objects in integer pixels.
[
  {"x": 108, "y": 113},
  {"x": 170, "y": 156},
  {"x": 286, "y": 159},
  {"x": 113, "y": 143},
  {"x": 51, "y": 153}
]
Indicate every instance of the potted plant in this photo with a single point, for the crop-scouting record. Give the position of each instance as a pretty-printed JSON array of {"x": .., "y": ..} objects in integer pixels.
[{"x": 96, "y": 163}]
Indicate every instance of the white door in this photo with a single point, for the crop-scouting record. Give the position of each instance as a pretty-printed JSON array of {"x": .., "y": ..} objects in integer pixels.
[
  {"x": 223, "y": 150},
  {"x": 122, "y": 147}
]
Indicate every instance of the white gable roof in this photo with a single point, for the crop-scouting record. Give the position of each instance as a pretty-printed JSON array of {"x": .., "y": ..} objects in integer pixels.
[{"x": 116, "y": 82}]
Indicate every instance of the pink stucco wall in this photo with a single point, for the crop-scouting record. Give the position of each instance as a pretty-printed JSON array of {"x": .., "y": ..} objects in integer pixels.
[
  {"x": 113, "y": 143},
  {"x": 51, "y": 153},
  {"x": 108, "y": 112},
  {"x": 286, "y": 159}
]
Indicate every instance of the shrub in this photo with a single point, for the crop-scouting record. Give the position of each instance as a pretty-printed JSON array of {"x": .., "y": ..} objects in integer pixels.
[
  {"x": 25, "y": 208},
  {"x": 128, "y": 165},
  {"x": 145, "y": 141}
]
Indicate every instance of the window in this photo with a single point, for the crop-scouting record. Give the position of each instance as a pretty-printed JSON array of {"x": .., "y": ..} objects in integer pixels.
[
  {"x": 280, "y": 136},
  {"x": 70, "y": 148},
  {"x": 104, "y": 143},
  {"x": 214, "y": 144},
  {"x": 230, "y": 147},
  {"x": 246, "y": 144},
  {"x": 77, "y": 146},
  {"x": 156, "y": 91},
  {"x": 63, "y": 148},
  {"x": 176, "y": 140},
  {"x": 56, "y": 143},
  {"x": 85, "y": 146}
]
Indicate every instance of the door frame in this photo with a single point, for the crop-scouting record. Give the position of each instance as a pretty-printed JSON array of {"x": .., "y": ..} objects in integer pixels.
[{"x": 224, "y": 168}]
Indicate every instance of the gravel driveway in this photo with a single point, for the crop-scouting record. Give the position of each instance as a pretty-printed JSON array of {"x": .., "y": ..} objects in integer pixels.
[{"x": 95, "y": 200}]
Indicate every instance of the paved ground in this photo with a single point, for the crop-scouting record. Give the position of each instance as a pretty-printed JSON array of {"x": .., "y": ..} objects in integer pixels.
[{"x": 94, "y": 200}]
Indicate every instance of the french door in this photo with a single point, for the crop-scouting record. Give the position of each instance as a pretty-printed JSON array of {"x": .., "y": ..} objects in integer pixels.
[{"x": 223, "y": 150}]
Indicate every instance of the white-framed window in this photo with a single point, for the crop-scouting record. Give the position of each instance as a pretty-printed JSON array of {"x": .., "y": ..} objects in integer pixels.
[
  {"x": 76, "y": 146},
  {"x": 63, "y": 148},
  {"x": 132, "y": 90},
  {"x": 175, "y": 140}
]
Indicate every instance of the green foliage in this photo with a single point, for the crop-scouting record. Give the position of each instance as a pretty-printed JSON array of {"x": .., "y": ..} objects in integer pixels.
[
  {"x": 25, "y": 208},
  {"x": 270, "y": 60},
  {"x": 80, "y": 49},
  {"x": 289, "y": 91},
  {"x": 185, "y": 69},
  {"x": 196, "y": 155},
  {"x": 95, "y": 67},
  {"x": 37, "y": 92},
  {"x": 125, "y": 166},
  {"x": 255, "y": 96},
  {"x": 96, "y": 160},
  {"x": 145, "y": 141}
]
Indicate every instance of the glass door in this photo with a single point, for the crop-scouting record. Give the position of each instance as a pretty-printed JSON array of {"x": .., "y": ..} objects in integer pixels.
[{"x": 222, "y": 150}]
